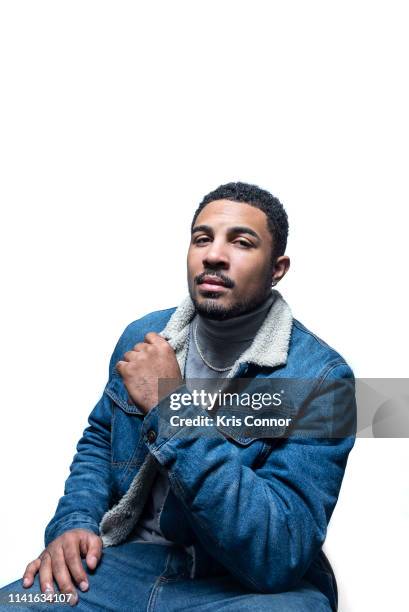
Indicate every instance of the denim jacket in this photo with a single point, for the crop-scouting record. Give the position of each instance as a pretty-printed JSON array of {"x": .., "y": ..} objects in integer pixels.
[{"x": 254, "y": 507}]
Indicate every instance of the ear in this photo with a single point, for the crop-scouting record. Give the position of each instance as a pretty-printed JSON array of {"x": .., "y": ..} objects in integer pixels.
[{"x": 281, "y": 267}]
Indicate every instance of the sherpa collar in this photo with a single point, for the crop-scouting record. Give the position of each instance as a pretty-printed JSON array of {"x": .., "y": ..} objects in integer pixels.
[{"x": 269, "y": 347}]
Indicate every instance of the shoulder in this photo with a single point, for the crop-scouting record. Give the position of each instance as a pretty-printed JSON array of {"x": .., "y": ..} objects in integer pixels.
[
  {"x": 315, "y": 356},
  {"x": 153, "y": 321}
]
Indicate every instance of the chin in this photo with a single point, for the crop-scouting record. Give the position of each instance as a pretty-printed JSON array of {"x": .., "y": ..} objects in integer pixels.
[
  {"x": 212, "y": 306},
  {"x": 212, "y": 310}
]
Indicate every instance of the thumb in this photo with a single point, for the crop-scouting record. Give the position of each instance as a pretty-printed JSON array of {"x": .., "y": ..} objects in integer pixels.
[{"x": 94, "y": 552}]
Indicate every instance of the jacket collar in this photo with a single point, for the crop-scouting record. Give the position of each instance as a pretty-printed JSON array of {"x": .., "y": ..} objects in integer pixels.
[{"x": 269, "y": 347}]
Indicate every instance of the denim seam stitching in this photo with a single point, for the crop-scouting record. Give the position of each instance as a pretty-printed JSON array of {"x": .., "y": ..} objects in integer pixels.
[
  {"x": 327, "y": 371},
  {"x": 156, "y": 587}
]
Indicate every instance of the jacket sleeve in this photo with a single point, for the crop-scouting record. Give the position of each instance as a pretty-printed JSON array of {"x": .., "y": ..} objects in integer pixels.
[
  {"x": 264, "y": 525},
  {"x": 87, "y": 489}
]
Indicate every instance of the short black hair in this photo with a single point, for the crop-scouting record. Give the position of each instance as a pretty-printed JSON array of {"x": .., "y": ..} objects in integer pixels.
[{"x": 277, "y": 219}]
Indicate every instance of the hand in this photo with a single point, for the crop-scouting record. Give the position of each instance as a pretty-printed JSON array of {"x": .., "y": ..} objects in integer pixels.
[
  {"x": 142, "y": 367},
  {"x": 62, "y": 560}
]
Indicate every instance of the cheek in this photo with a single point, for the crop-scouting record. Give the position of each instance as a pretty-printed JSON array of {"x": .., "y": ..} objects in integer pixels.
[
  {"x": 252, "y": 273},
  {"x": 192, "y": 266},
  {"x": 189, "y": 259},
  {"x": 248, "y": 265},
  {"x": 194, "y": 260}
]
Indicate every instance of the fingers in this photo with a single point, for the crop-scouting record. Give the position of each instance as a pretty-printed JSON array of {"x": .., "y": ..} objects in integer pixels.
[
  {"x": 61, "y": 574},
  {"x": 94, "y": 551},
  {"x": 61, "y": 562},
  {"x": 153, "y": 345},
  {"x": 30, "y": 572},
  {"x": 46, "y": 573},
  {"x": 119, "y": 366},
  {"x": 151, "y": 339},
  {"x": 140, "y": 346},
  {"x": 131, "y": 356},
  {"x": 154, "y": 338},
  {"x": 73, "y": 561}
]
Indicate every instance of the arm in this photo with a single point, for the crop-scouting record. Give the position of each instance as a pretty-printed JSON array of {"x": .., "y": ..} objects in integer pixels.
[
  {"x": 87, "y": 489},
  {"x": 73, "y": 531},
  {"x": 265, "y": 525}
]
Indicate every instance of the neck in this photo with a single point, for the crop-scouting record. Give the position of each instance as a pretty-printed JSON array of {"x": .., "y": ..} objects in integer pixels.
[{"x": 222, "y": 342}]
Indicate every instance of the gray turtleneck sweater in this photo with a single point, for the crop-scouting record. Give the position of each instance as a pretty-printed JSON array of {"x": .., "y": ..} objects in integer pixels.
[{"x": 220, "y": 344}]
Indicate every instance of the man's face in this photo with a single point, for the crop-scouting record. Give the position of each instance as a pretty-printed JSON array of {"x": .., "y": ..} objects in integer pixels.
[{"x": 229, "y": 259}]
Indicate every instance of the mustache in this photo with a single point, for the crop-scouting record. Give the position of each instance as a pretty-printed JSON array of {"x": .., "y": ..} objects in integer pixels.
[{"x": 227, "y": 282}]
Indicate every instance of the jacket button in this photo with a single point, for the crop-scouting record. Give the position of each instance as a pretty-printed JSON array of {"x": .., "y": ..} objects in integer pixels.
[{"x": 151, "y": 435}]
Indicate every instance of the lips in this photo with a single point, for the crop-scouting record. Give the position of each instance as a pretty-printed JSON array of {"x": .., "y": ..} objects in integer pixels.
[
  {"x": 212, "y": 280},
  {"x": 212, "y": 283}
]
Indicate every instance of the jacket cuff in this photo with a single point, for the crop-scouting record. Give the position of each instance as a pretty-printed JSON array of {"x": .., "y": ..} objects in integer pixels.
[{"x": 73, "y": 521}]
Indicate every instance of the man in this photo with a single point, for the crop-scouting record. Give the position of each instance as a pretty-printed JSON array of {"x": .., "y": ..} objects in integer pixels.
[{"x": 157, "y": 520}]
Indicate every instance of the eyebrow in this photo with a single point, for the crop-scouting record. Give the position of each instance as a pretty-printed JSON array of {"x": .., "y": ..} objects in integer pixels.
[
  {"x": 237, "y": 229},
  {"x": 202, "y": 228}
]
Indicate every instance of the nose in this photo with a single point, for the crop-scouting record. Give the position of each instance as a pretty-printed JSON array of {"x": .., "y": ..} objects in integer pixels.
[{"x": 215, "y": 256}]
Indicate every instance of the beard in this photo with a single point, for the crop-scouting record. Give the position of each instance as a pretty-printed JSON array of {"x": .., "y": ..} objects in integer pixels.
[{"x": 212, "y": 309}]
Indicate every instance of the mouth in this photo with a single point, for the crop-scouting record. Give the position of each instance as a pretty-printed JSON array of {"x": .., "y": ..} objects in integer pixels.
[{"x": 212, "y": 283}]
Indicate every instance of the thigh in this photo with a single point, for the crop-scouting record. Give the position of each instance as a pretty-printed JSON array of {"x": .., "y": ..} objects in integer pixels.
[
  {"x": 122, "y": 581},
  {"x": 226, "y": 595}
]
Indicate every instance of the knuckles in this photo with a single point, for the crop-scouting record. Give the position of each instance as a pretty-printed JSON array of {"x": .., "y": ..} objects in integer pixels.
[
  {"x": 152, "y": 337},
  {"x": 70, "y": 555},
  {"x": 130, "y": 355},
  {"x": 153, "y": 354},
  {"x": 139, "y": 346},
  {"x": 45, "y": 556}
]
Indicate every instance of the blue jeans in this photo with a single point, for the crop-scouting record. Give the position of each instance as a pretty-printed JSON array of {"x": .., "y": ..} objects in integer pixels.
[{"x": 145, "y": 577}]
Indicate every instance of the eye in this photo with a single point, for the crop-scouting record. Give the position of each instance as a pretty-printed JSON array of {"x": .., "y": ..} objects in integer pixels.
[
  {"x": 243, "y": 243},
  {"x": 201, "y": 240}
]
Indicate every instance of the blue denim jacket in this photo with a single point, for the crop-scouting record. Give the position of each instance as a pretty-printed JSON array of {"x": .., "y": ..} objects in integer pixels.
[{"x": 257, "y": 508}]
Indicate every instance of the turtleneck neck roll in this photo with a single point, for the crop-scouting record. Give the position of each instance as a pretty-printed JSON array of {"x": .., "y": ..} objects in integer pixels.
[{"x": 222, "y": 342}]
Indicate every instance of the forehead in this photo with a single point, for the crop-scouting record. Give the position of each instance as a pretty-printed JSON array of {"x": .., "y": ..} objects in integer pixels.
[{"x": 222, "y": 214}]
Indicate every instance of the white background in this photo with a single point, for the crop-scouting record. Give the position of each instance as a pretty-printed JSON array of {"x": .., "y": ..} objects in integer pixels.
[{"x": 116, "y": 118}]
